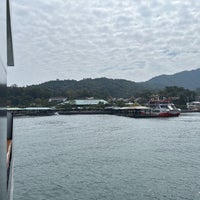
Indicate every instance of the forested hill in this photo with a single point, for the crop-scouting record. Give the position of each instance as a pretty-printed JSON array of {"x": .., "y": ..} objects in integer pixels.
[
  {"x": 186, "y": 79},
  {"x": 99, "y": 87}
]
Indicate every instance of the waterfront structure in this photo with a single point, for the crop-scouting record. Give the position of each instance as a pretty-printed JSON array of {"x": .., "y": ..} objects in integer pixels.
[
  {"x": 32, "y": 111},
  {"x": 193, "y": 106},
  {"x": 85, "y": 103},
  {"x": 89, "y": 102},
  {"x": 134, "y": 111},
  {"x": 57, "y": 99},
  {"x": 6, "y": 143}
]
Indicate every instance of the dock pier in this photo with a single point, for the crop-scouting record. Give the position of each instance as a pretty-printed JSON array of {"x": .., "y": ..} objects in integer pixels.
[{"x": 138, "y": 112}]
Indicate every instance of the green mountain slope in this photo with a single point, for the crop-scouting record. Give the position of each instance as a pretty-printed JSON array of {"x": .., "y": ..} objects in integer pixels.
[
  {"x": 102, "y": 88},
  {"x": 99, "y": 87},
  {"x": 187, "y": 79}
]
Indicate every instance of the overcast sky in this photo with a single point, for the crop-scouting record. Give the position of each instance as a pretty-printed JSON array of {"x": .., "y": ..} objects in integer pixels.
[{"x": 127, "y": 39}]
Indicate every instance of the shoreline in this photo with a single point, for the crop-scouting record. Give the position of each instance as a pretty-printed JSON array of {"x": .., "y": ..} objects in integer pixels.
[{"x": 77, "y": 112}]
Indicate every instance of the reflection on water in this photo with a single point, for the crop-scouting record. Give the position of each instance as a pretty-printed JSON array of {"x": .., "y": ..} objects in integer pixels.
[{"x": 107, "y": 157}]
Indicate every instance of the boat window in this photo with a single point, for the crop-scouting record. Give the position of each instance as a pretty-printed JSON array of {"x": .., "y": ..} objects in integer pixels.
[
  {"x": 163, "y": 106},
  {"x": 170, "y": 107}
]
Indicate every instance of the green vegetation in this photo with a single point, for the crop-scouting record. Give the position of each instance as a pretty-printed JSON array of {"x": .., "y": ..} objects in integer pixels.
[
  {"x": 2, "y": 95},
  {"x": 178, "y": 95},
  {"x": 198, "y": 93},
  {"x": 117, "y": 92},
  {"x": 186, "y": 79}
]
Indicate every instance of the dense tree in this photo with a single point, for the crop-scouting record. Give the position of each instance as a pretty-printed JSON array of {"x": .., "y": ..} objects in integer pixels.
[
  {"x": 198, "y": 94},
  {"x": 179, "y": 95},
  {"x": 38, "y": 95}
]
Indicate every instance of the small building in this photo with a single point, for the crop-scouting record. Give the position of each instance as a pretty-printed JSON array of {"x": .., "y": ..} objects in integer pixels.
[
  {"x": 57, "y": 99},
  {"x": 85, "y": 103},
  {"x": 89, "y": 102},
  {"x": 194, "y": 106}
]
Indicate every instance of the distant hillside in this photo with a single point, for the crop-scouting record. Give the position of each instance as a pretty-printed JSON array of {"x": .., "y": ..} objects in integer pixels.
[
  {"x": 187, "y": 79},
  {"x": 38, "y": 95},
  {"x": 99, "y": 87},
  {"x": 104, "y": 88}
]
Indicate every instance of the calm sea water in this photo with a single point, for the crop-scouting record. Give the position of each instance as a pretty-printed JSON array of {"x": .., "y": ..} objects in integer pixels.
[{"x": 103, "y": 157}]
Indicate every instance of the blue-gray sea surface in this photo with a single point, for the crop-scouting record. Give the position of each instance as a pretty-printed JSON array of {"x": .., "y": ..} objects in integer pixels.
[{"x": 104, "y": 157}]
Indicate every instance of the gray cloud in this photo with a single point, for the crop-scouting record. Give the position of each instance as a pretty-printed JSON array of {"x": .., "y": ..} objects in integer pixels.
[{"x": 130, "y": 39}]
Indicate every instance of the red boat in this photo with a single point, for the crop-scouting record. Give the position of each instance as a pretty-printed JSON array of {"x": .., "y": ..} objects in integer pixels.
[{"x": 163, "y": 108}]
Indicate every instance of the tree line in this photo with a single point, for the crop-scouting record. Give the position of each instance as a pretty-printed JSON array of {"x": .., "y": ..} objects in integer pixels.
[{"x": 38, "y": 95}]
